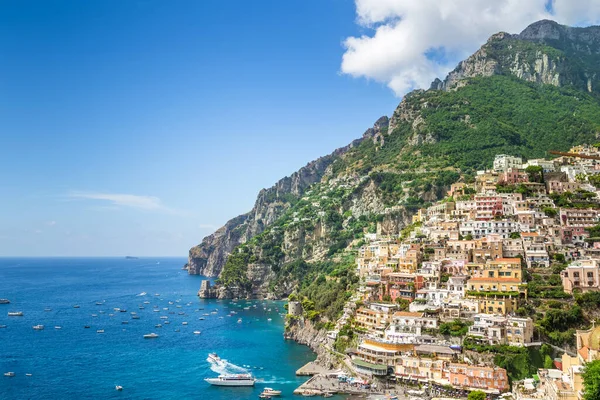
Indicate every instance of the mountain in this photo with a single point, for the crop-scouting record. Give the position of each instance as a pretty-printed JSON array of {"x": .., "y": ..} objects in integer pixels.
[{"x": 518, "y": 94}]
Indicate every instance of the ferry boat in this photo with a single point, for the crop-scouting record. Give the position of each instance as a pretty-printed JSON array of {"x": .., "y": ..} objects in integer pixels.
[
  {"x": 15, "y": 313},
  {"x": 4, "y": 301},
  {"x": 232, "y": 380}
]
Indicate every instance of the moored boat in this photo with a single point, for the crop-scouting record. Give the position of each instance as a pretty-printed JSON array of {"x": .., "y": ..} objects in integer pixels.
[
  {"x": 15, "y": 313},
  {"x": 150, "y": 336},
  {"x": 9, "y": 374},
  {"x": 38, "y": 327},
  {"x": 4, "y": 301},
  {"x": 232, "y": 380}
]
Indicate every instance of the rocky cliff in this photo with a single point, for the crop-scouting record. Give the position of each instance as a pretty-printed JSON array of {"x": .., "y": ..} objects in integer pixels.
[
  {"x": 208, "y": 258},
  {"x": 544, "y": 53},
  {"x": 518, "y": 94}
]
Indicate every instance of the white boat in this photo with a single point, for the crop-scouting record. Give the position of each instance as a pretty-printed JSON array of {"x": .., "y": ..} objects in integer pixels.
[
  {"x": 239, "y": 321},
  {"x": 197, "y": 332},
  {"x": 58, "y": 327},
  {"x": 28, "y": 375},
  {"x": 164, "y": 317},
  {"x": 232, "y": 380},
  {"x": 47, "y": 309},
  {"x": 151, "y": 336},
  {"x": 9, "y": 374},
  {"x": 158, "y": 326},
  {"x": 76, "y": 306},
  {"x": 184, "y": 323},
  {"x": 135, "y": 317},
  {"x": 15, "y": 313},
  {"x": 271, "y": 392},
  {"x": 38, "y": 327},
  {"x": 2, "y": 326},
  {"x": 119, "y": 388},
  {"x": 100, "y": 331}
]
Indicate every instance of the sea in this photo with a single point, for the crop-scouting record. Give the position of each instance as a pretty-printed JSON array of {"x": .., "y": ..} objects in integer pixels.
[{"x": 75, "y": 362}]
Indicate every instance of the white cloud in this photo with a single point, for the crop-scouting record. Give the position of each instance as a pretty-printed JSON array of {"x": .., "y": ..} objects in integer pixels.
[
  {"x": 51, "y": 223},
  {"x": 403, "y": 34},
  {"x": 125, "y": 200}
]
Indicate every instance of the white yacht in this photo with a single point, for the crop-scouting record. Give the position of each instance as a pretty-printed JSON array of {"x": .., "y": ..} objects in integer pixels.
[
  {"x": 232, "y": 380},
  {"x": 15, "y": 313},
  {"x": 271, "y": 392},
  {"x": 151, "y": 336}
]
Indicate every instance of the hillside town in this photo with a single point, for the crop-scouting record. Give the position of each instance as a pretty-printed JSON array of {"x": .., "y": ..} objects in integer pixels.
[{"x": 461, "y": 275}]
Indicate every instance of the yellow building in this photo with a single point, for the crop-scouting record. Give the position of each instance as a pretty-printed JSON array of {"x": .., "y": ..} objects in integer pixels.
[{"x": 497, "y": 285}]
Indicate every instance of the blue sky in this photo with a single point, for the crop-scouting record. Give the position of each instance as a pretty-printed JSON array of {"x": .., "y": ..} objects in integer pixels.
[
  {"x": 140, "y": 126},
  {"x": 192, "y": 105}
]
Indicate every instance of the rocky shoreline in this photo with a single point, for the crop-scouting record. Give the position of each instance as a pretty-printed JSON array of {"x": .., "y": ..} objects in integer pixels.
[{"x": 304, "y": 332}]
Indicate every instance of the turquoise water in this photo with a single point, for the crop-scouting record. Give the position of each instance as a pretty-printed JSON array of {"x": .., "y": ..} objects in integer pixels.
[{"x": 75, "y": 363}]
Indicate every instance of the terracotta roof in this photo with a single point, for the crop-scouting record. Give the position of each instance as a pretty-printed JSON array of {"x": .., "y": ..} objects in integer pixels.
[
  {"x": 515, "y": 260},
  {"x": 584, "y": 352},
  {"x": 407, "y": 314}
]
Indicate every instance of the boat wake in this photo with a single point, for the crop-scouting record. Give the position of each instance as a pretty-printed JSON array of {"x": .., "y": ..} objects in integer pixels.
[{"x": 224, "y": 367}]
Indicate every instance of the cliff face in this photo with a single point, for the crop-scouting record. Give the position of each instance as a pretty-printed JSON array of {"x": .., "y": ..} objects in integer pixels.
[
  {"x": 544, "y": 53},
  {"x": 508, "y": 97},
  {"x": 208, "y": 258}
]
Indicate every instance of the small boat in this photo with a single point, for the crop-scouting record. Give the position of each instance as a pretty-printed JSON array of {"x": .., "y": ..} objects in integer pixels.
[
  {"x": 156, "y": 310},
  {"x": 94, "y": 315},
  {"x": 119, "y": 387},
  {"x": 197, "y": 332},
  {"x": 135, "y": 317},
  {"x": 2, "y": 326},
  {"x": 100, "y": 331},
  {"x": 327, "y": 394},
  {"x": 158, "y": 326},
  {"x": 15, "y": 313},
  {"x": 124, "y": 322},
  {"x": 166, "y": 308},
  {"x": 141, "y": 307},
  {"x": 76, "y": 306},
  {"x": 181, "y": 313},
  {"x": 38, "y": 327},
  {"x": 123, "y": 310},
  {"x": 201, "y": 318},
  {"x": 269, "y": 319},
  {"x": 146, "y": 302},
  {"x": 9, "y": 374},
  {"x": 47, "y": 309},
  {"x": 271, "y": 392},
  {"x": 184, "y": 323},
  {"x": 4, "y": 301},
  {"x": 239, "y": 321},
  {"x": 167, "y": 322},
  {"x": 164, "y": 317},
  {"x": 150, "y": 336},
  {"x": 309, "y": 394},
  {"x": 98, "y": 303},
  {"x": 87, "y": 327},
  {"x": 58, "y": 327},
  {"x": 28, "y": 375},
  {"x": 177, "y": 330}
]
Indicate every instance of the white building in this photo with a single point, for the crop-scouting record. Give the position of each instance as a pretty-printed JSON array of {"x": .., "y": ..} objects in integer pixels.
[{"x": 503, "y": 162}]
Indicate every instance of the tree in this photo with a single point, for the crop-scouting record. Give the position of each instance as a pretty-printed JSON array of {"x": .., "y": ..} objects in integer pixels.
[
  {"x": 476, "y": 395},
  {"x": 548, "y": 363},
  {"x": 591, "y": 381},
  {"x": 469, "y": 237},
  {"x": 515, "y": 235},
  {"x": 536, "y": 174}
]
